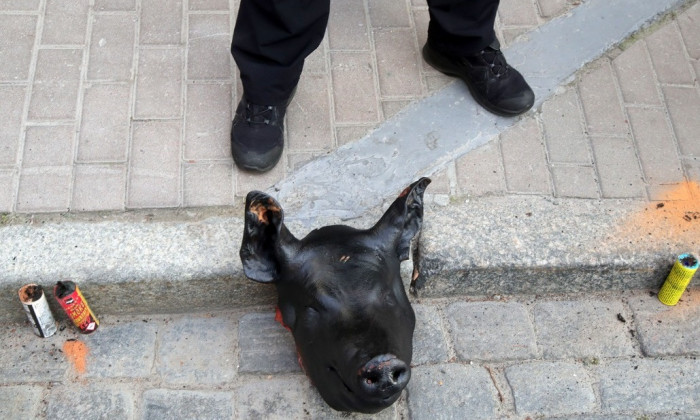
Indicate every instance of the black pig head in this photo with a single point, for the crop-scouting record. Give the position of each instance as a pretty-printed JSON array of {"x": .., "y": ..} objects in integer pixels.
[{"x": 341, "y": 295}]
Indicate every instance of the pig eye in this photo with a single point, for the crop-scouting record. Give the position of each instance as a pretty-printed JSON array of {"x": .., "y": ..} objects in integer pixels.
[{"x": 312, "y": 310}]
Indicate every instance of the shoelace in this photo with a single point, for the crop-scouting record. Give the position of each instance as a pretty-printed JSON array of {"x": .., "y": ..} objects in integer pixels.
[
  {"x": 495, "y": 59},
  {"x": 258, "y": 114}
]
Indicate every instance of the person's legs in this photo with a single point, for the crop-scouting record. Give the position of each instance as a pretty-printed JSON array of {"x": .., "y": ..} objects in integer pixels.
[
  {"x": 271, "y": 39},
  {"x": 462, "y": 43}
]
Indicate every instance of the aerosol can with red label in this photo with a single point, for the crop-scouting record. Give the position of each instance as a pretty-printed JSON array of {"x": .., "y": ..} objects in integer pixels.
[{"x": 72, "y": 301}]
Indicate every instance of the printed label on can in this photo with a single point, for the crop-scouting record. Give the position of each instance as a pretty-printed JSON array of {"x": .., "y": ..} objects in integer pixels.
[
  {"x": 76, "y": 307},
  {"x": 37, "y": 309}
]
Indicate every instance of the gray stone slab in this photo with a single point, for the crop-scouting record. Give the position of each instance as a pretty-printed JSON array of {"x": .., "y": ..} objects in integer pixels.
[
  {"x": 198, "y": 350},
  {"x": 451, "y": 391},
  {"x": 551, "y": 388},
  {"x": 581, "y": 329},
  {"x": 121, "y": 350},
  {"x": 90, "y": 402},
  {"x": 650, "y": 385},
  {"x": 166, "y": 404},
  {"x": 275, "y": 398},
  {"x": 20, "y": 402},
  {"x": 668, "y": 330},
  {"x": 429, "y": 344},
  {"x": 26, "y": 357},
  {"x": 265, "y": 346},
  {"x": 491, "y": 331}
]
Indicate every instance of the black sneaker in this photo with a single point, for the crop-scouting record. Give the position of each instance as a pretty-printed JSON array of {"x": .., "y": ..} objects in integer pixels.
[
  {"x": 257, "y": 135},
  {"x": 494, "y": 84}
]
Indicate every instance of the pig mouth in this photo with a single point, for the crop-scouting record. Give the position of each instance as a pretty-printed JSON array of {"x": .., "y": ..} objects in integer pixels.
[{"x": 353, "y": 401}]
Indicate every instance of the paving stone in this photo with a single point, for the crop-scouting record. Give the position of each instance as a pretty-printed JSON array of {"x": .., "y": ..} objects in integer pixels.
[
  {"x": 104, "y": 131},
  {"x": 388, "y": 14},
  {"x": 601, "y": 105},
  {"x": 684, "y": 108},
  {"x": 114, "y": 5},
  {"x": 123, "y": 350},
  {"x": 618, "y": 168},
  {"x": 347, "y": 26},
  {"x": 56, "y": 84},
  {"x": 44, "y": 189},
  {"x": 26, "y": 357},
  {"x": 19, "y": 5},
  {"x": 248, "y": 181},
  {"x": 94, "y": 401},
  {"x": 575, "y": 181},
  {"x": 11, "y": 108},
  {"x": 391, "y": 108},
  {"x": 480, "y": 172},
  {"x": 273, "y": 398},
  {"x": 208, "y": 4},
  {"x": 183, "y": 359},
  {"x": 551, "y": 388},
  {"x": 429, "y": 344},
  {"x": 690, "y": 31},
  {"x": 20, "y": 402},
  {"x": 209, "y": 41},
  {"x": 650, "y": 385},
  {"x": 345, "y": 135},
  {"x": 112, "y": 47},
  {"x": 7, "y": 190},
  {"x": 655, "y": 146},
  {"x": 165, "y": 404},
  {"x": 319, "y": 409},
  {"x": 354, "y": 92},
  {"x": 65, "y": 22},
  {"x": 17, "y": 33},
  {"x": 572, "y": 329},
  {"x": 562, "y": 123},
  {"x": 208, "y": 122},
  {"x": 161, "y": 22},
  {"x": 159, "y": 84},
  {"x": 209, "y": 184},
  {"x": 309, "y": 114},
  {"x": 451, "y": 391},
  {"x": 397, "y": 63},
  {"x": 265, "y": 346},
  {"x": 517, "y": 13},
  {"x": 314, "y": 62},
  {"x": 154, "y": 165},
  {"x": 668, "y": 330},
  {"x": 524, "y": 159},
  {"x": 51, "y": 145},
  {"x": 551, "y": 8},
  {"x": 635, "y": 75},
  {"x": 491, "y": 331},
  {"x": 666, "y": 50},
  {"x": 99, "y": 187}
]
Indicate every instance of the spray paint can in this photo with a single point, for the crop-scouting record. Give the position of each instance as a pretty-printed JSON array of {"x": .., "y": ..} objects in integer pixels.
[
  {"x": 678, "y": 279},
  {"x": 37, "y": 309},
  {"x": 76, "y": 307}
]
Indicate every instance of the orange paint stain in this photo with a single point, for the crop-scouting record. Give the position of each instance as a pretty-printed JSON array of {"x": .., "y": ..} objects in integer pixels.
[{"x": 76, "y": 351}]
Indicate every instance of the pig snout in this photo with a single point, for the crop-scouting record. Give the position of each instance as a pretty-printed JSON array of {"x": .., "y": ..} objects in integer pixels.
[{"x": 384, "y": 376}]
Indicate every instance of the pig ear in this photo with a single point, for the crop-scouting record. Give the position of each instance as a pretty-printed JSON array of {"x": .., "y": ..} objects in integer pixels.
[
  {"x": 404, "y": 218},
  {"x": 266, "y": 240}
]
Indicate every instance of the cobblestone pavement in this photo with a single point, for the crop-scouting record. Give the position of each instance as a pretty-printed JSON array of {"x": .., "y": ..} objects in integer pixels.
[{"x": 610, "y": 356}]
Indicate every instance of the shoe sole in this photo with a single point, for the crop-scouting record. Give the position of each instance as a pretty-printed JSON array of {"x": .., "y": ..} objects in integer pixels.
[{"x": 432, "y": 60}]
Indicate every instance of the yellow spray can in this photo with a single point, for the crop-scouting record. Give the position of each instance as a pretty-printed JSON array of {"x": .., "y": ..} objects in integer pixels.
[{"x": 678, "y": 279}]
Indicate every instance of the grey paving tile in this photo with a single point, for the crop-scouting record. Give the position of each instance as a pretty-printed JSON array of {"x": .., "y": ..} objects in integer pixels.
[
  {"x": 316, "y": 61},
  {"x": 17, "y": 33},
  {"x": 551, "y": 8},
  {"x": 154, "y": 164},
  {"x": 12, "y": 5},
  {"x": 451, "y": 391},
  {"x": 618, "y": 169},
  {"x": 112, "y": 47},
  {"x": 161, "y": 22},
  {"x": 65, "y": 22},
  {"x": 354, "y": 91},
  {"x": 388, "y": 14},
  {"x": 601, "y": 105},
  {"x": 491, "y": 331},
  {"x": 480, "y": 171},
  {"x": 123, "y": 350},
  {"x": 421, "y": 19},
  {"x": 208, "y": 184},
  {"x": 56, "y": 85},
  {"x": 309, "y": 115},
  {"x": 159, "y": 84},
  {"x": 635, "y": 75},
  {"x": 524, "y": 159},
  {"x": 44, "y": 189},
  {"x": 684, "y": 108},
  {"x": 99, "y": 187},
  {"x": 347, "y": 26},
  {"x": 272, "y": 397},
  {"x": 7, "y": 190},
  {"x": 209, "y": 40},
  {"x": 692, "y": 168},
  {"x": 551, "y": 388},
  {"x": 208, "y": 4},
  {"x": 104, "y": 132},
  {"x": 265, "y": 346},
  {"x": 562, "y": 122},
  {"x": 49, "y": 146},
  {"x": 28, "y": 358},
  {"x": 517, "y": 13},
  {"x": 690, "y": 31},
  {"x": 351, "y": 133},
  {"x": 429, "y": 345},
  {"x": 668, "y": 330},
  {"x": 575, "y": 181},
  {"x": 391, "y": 108},
  {"x": 115, "y": 5},
  {"x": 657, "y": 150},
  {"x": 666, "y": 50},
  {"x": 17, "y": 402},
  {"x": 11, "y": 109},
  {"x": 397, "y": 63},
  {"x": 166, "y": 404},
  {"x": 91, "y": 402},
  {"x": 572, "y": 329},
  {"x": 247, "y": 181},
  {"x": 208, "y": 122}
]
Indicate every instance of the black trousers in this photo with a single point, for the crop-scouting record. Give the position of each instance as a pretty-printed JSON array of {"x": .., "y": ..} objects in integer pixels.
[{"x": 272, "y": 38}]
